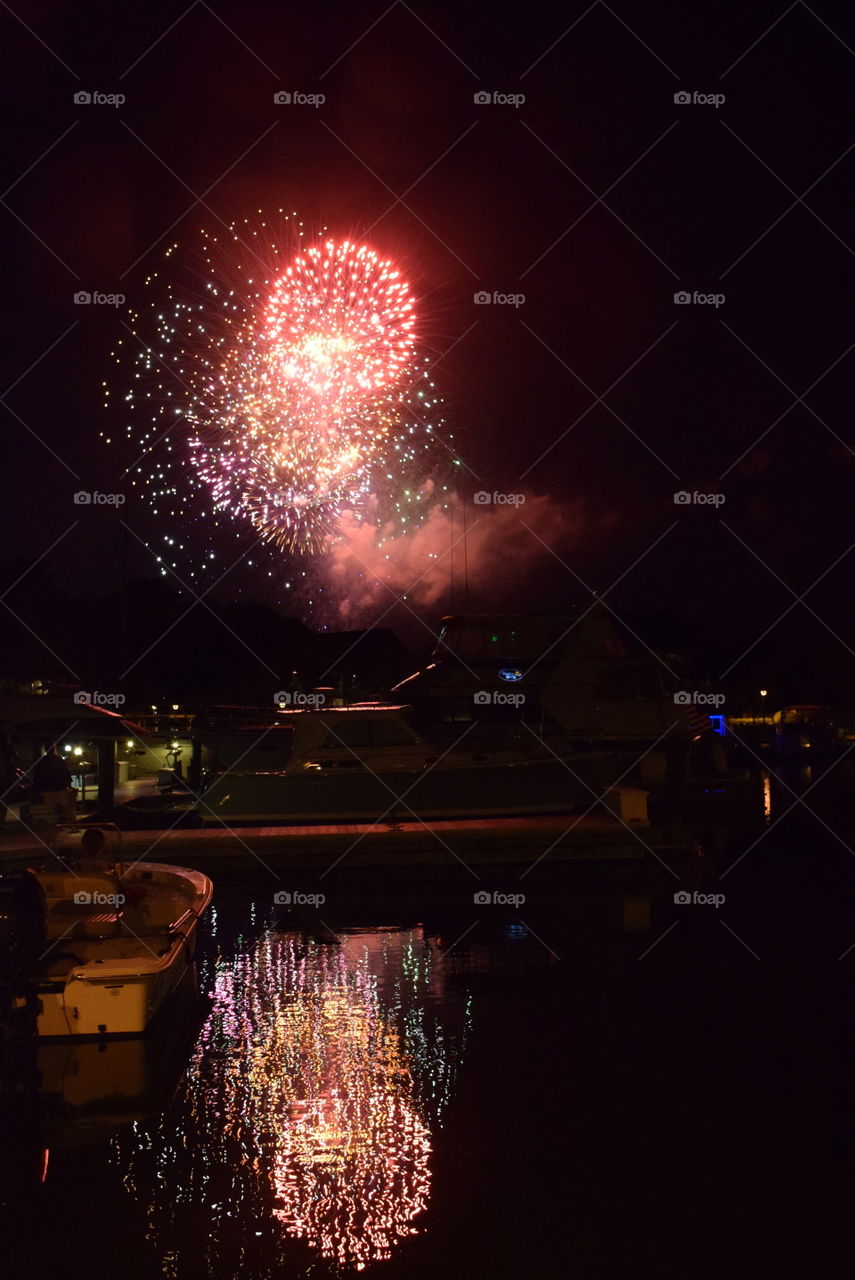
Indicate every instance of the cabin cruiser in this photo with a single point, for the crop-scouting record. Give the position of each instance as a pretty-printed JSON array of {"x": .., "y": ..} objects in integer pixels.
[
  {"x": 579, "y": 680},
  {"x": 369, "y": 762},
  {"x": 115, "y": 940}
]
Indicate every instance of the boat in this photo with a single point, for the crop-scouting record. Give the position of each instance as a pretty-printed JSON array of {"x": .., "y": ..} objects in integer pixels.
[
  {"x": 369, "y": 762},
  {"x": 805, "y": 730},
  {"x": 117, "y": 940},
  {"x": 579, "y": 680}
]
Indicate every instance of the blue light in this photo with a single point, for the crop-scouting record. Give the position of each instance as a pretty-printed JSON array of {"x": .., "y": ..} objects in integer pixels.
[
  {"x": 718, "y": 725},
  {"x": 510, "y": 673}
]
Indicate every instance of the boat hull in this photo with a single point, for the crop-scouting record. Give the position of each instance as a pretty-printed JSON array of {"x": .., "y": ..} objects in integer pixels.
[
  {"x": 116, "y": 1004},
  {"x": 108, "y": 973},
  {"x": 363, "y": 795}
]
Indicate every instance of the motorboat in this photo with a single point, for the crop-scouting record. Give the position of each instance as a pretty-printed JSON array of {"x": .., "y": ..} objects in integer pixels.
[
  {"x": 578, "y": 680},
  {"x": 369, "y": 762},
  {"x": 116, "y": 940}
]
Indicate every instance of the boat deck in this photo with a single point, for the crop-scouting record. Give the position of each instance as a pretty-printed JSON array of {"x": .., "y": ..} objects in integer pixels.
[{"x": 117, "y": 951}]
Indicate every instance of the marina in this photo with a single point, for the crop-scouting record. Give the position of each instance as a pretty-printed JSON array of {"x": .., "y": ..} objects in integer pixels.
[
  {"x": 427, "y": 643},
  {"x": 344, "y": 1070}
]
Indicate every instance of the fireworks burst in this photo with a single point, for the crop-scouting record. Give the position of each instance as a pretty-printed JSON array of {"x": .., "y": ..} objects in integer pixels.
[{"x": 288, "y": 394}]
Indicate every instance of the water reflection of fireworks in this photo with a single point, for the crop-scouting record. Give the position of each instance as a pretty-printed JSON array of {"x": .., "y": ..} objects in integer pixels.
[{"x": 310, "y": 1094}]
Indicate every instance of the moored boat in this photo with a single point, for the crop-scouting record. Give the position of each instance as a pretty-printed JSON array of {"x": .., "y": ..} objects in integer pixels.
[
  {"x": 369, "y": 762},
  {"x": 805, "y": 730},
  {"x": 117, "y": 940}
]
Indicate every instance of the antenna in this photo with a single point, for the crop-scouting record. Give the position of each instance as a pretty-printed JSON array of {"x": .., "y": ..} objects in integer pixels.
[{"x": 465, "y": 562}]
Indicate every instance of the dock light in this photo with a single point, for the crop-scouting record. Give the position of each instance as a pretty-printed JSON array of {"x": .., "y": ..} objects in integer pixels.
[
  {"x": 78, "y": 751},
  {"x": 130, "y": 742},
  {"x": 67, "y": 746},
  {"x": 153, "y": 707},
  {"x": 175, "y": 706},
  {"x": 763, "y": 693}
]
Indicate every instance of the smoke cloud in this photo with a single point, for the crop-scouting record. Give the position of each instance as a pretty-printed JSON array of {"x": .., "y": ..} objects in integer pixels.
[{"x": 485, "y": 550}]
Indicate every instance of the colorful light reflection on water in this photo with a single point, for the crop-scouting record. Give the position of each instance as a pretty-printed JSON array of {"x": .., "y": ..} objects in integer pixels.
[{"x": 307, "y": 1109}]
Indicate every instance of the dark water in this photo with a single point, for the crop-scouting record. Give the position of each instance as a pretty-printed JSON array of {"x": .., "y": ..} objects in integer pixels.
[{"x": 596, "y": 1081}]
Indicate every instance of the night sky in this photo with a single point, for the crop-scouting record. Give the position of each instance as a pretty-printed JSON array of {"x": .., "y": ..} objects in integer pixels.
[{"x": 598, "y": 198}]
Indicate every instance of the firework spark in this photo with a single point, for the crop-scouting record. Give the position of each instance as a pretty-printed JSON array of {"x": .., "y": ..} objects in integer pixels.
[
  {"x": 299, "y": 412},
  {"x": 286, "y": 396}
]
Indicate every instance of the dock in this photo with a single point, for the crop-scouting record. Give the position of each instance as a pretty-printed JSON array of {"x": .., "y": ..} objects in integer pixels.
[{"x": 517, "y": 842}]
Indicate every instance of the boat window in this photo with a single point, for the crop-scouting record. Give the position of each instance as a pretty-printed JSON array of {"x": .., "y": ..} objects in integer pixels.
[
  {"x": 245, "y": 751},
  {"x": 390, "y": 733},
  {"x": 381, "y": 732},
  {"x": 348, "y": 733}
]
